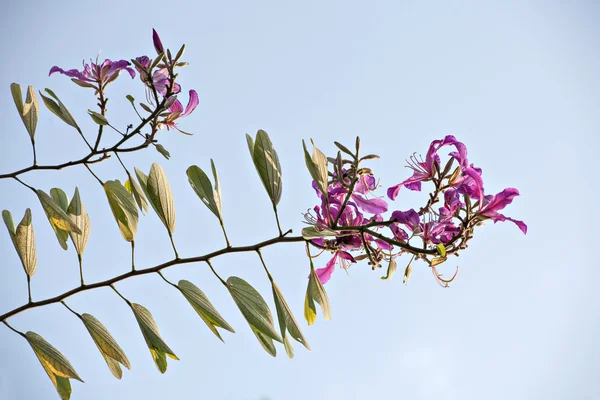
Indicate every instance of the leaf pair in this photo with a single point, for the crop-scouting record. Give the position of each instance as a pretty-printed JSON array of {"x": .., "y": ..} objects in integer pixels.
[
  {"x": 23, "y": 238},
  {"x": 58, "y": 108},
  {"x": 123, "y": 207},
  {"x": 317, "y": 166},
  {"x": 256, "y": 312},
  {"x": 108, "y": 346},
  {"x": 56, "y": 365},
  {"x": 158, "y": 192},
  {"x": 287, "y": 322},
  {"x": 267, "y": 164},
  {"x": 315, "y": 292},
  {"x": 158, "y": 348},
  {"x": 56, "y": 207},
  {"x": 204, "y": 188},
  {"x": 29, "y": 111},
  {"x": 203, "y": 307}
]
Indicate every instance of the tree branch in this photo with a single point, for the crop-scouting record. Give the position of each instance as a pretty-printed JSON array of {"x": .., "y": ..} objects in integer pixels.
[{"x": 155, "y": 269}]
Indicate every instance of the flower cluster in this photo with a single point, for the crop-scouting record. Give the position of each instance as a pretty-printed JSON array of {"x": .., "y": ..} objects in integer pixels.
[
  {"x": 349, "y": 218},
  {"x": 156, "y": 74}
]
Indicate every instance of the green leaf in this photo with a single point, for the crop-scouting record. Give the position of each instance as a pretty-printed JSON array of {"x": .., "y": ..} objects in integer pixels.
[
  {"x": 29, "y": 111},
  {"x": 108, "y": 346},
  {"x": 59, "y": 109},
  {"x": 287, "y": 322},
  {"x": 58, "y": 368},
  {"x": 161, "y": 149},
  {"x": 312, "y": 232},
  {"x": 80, "y": 217},
  {"x": 59, "y": 220},
  {"x": 203, "y": 307},
  {"x": 203, "y": 187},
  {"x": 60, "y": 198},
  {"x": 98, "y": 118},
  {"x": 123, "y": 208},
  {"x": 138, "y": 194},
  {"x": 160, "y": 196},
  {"x": 390, "y": 270},
  {"x": 317, "y": 166},
  {"x": 267, "y": 164},
  {"x": 158, "y": 348},
  {"x": 315, "y": 292},
  {"x": 23, "y": 238},
  {"x": 131, "y": 99},
  {"x": 256, "y": 312}
]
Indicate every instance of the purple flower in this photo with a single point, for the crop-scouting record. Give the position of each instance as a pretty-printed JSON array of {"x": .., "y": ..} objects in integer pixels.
[
  {"x": 495, "y": 203},
  {"x": 424, "y": 170},
  {"x": 177, "y": 111},
  {"x": 158, "y": 46},
  {"x": 344, "y": 258},
  {"x": 160, "y": 77},
  {"x": 100, "y": 74}
]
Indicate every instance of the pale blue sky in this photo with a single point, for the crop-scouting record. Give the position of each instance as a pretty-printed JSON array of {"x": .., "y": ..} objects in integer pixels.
[{"x": 516, "y": 81}]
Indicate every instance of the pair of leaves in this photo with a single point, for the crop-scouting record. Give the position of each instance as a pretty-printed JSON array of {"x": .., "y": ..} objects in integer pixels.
[
  {"x": 81, "y": 219},
  {"x": 157, "y": 346},
  {"x": 256, "y": 312},
  {"x": 138, "y": 194},
  {"x": 29, "y": 111},
  {"x": 158, "y": 191},
  {"x": 59, "y": 109},
  {"x": 203, "y": 307},
  {"x": 315, "y": 292},
  {"x": 123, "y": 207},
  {"x": 23, "y": 238},
  {"x": 204, "y": 189},
  {"x": 287, "y": 322},
  {"x": 56, "y": 365},
  {"x": 108, "y": 346},
  {"x": 56, "y": 207},
  {"x": 267, "y": 164},
  {"x": 317, "y": 166}
]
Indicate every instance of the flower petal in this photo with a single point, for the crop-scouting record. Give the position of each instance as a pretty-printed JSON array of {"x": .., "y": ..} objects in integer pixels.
[{"x": 324, "y": 274}]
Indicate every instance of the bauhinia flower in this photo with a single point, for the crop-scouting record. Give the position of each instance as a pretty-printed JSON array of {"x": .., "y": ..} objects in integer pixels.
[
  {"x": 94, "y": 74},
  {"x": 160, "y": 78},
  {"x": 495, "y": 203},
  {"x": 177, "y": 112},
  {"x": 424, "y": 170}
]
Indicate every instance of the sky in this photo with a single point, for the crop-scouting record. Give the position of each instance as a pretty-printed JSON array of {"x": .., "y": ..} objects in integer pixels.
[{"x": 517, "y": 82}]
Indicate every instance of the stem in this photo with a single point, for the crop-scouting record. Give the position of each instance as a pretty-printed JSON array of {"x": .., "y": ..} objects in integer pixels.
[
  {"x": 70, "y": 309},
  {"x": 173, "y": 244},
  {"x": 120, "y": 295},
  {"x": 123, "y": 165},
  {"x": 133, "y": 256},
  {"x": 262, "y": 260},
  {"x": 225, "y": 233},
  {"x": 215, "y": 272},
  {"x": 14, "y": 330},
  {"x": 34, "y": 155},
  {"x": 159, "y": 267},
  {"x": 80, "y": 268},
  {"x": 166, "y": 280},
  {"x": 102, "y": 105},
  {"x": 277, "y": 219},
  {"x": 29, "y": 287},
  {"x": 95, "y": 176},
  {"x": 24, "y": 184}
]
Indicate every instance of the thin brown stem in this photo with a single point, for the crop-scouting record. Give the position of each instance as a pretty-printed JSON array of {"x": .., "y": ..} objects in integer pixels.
[
  {"x": 95, "y": 176},
  {"x": 215, "y": 272},
  {"x": 14, "y": 330},
  {"x": 160, "y": 267},
  {"x": 79, "y": 259},
  {"x": 29, "y": 287}
]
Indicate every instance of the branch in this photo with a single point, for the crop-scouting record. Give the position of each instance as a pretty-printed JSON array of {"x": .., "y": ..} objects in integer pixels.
[{"x": 155, "y": 269}]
